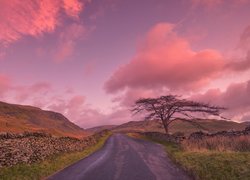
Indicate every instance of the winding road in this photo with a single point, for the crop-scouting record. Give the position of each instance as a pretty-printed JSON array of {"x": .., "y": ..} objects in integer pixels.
[{"x": 124, "y": 158}]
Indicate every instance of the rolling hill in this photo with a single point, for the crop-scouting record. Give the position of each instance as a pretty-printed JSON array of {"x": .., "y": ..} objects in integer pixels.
[
  {"x": 100, "y": 128},
  {"x": 179, "y": 126},
  {"x": 19, "y": 118}
]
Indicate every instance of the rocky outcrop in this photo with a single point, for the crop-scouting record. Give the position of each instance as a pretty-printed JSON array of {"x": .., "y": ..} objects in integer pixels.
[{"x": 34, "y": 147}]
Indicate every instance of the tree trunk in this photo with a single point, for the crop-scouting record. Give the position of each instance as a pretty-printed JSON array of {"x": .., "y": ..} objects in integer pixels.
[{"x": 165, "y": 126}]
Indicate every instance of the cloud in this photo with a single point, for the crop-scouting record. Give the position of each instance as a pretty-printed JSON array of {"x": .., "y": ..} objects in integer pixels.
[
  {"x": 68, "y": 39},
  {"x": 166, "y": 64},
  {"x": 31, "y": 92},
  {"x": 91, "y": 117},
  {"x": 73, "y": 106},
  {"x": 128, "y": 98},
  {"x": 235, "y": 98},
  {"x": 239, "y": 65},
  {"x": 165, "y": 59},
  {"x": 246, "y": 117},
  {"x": 216, "y": 3},
  {"x": 33, "y": 17},
  {"x": 78, "y": 111},
  {"x": 245, "y": 39},
  {"x": 35, "y": 94},
  {"x": 5, "y": 84},
  {"x": 72, "y": 7}
]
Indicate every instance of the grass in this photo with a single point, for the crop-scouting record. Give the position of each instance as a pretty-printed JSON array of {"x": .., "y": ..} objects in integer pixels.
[
  {"x": 215, "y": 165},
  {"x": 49, "y": 166},
  {"x": 218, "y": 143},
  {"x": 207, "y": 165}
]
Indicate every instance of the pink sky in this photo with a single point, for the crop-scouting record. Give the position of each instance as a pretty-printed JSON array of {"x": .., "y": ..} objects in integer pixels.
[{"x": 91, "y": 59}]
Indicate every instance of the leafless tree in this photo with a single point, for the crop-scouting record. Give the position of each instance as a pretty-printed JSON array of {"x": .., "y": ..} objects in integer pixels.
[{"x": 171, "y": 108}]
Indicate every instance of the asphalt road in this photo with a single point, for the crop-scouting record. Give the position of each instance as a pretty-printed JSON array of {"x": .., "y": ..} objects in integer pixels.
[{"x": 124, "y": 158}]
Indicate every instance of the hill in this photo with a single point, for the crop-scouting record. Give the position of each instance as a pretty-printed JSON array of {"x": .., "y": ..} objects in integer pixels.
[
  {"x": 19, "y": 118},
  {"x": 179, "y": 126},
  {"x": 100, "y": 128}
]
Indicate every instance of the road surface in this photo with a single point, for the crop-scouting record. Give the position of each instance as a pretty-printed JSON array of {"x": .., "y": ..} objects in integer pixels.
[{"x": 124, "y": 158}]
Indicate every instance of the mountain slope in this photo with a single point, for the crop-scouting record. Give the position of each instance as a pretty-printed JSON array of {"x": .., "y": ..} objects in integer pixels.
[{"x": 18, "y": 118}]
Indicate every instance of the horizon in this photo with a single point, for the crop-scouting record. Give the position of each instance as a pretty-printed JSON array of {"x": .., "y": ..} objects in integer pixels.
[
  {"x": 133, "y": 120},
  {"x": 90, "y": 60}
]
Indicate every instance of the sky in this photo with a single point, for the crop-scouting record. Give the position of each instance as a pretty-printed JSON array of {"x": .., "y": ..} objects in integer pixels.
[{"x": 91, "y": 59}]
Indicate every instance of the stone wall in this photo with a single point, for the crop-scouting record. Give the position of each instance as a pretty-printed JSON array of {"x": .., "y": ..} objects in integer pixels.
[
  {"x": 196, "y": 135},
  {"x": 34, "y": 147},
  {"x": 200, "y": 134}
]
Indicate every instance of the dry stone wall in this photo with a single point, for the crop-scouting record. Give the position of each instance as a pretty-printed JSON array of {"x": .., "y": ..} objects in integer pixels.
[{"x": 34, "y": 147}]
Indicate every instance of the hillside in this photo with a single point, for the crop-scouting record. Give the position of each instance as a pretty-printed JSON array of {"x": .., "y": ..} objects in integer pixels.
[
  {"x": 179, "y": 126},
  {"x": 100, "y": 128},
  {"x": 19, "y": 118}
]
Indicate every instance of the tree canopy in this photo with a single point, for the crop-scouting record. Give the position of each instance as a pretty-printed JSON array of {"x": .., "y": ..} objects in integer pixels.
[{"x": 171, "y": 108}]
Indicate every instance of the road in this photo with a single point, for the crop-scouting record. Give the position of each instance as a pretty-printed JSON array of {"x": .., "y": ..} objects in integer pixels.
[{"x": 124, "y": 158}]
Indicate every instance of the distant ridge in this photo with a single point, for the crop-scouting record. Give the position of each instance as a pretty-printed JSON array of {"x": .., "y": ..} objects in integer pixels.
[
  {"x": 179, "y": 126},
  {"x": 100, "y": 128},
  {"x": 16, "y": 118}
]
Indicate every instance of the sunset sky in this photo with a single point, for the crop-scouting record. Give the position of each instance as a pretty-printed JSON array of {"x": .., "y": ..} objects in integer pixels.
[{"x": 91, "y": 59}]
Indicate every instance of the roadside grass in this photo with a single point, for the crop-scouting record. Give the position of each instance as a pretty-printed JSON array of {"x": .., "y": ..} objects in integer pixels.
[
  {"x": 218, "y": 143},
  {"x": 49, "y": 166},
  {"x": 207, "y": 165}
]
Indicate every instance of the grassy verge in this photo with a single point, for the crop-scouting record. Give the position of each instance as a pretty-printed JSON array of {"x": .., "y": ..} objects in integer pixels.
[
  {"x": 208, "y": 165},
  {"x": 49, "y": 166}
]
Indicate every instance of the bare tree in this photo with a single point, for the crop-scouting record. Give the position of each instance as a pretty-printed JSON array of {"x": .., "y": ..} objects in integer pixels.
[{"x": 171, "y": 108}]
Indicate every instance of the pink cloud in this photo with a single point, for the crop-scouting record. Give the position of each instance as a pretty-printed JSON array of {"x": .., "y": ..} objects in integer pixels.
[
  {"x": 33, "y": 17},
  {"x": 83, "y": 114},
  {"x": 166, "y": 60},
  {"x": 76, "y": 109},
  {"x": 239, "y": 65},
  {"x": 128, "y": 98},
  {"x": 24, "y": 93},
  {"x": 235, "y": 97},
  {"x": 245, "y": 39},
  {"x": 72, "y": 7},
  {"x": 38, "y": 94},
  {"x": 246, "y": 117},
  {"x": 91, "y": 117},
  {"x": 70, "y": 107},
  {"x": 68, "y": 39}
]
